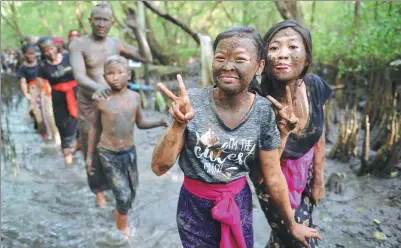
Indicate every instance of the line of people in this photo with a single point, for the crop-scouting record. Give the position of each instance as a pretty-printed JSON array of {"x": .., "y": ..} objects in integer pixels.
[
  {"x": 220, "y": 134},
  {"x": 47, "y": 81}
]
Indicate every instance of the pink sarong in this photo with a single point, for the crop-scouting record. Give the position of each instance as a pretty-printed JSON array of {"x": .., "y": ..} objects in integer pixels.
[
  {"x": 225, "y": 209},
  {"x": 296, "y": 172}
]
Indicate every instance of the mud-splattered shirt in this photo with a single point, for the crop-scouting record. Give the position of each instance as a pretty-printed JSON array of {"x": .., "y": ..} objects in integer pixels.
[
  {"x": 215, "y": 153},
  {"x": 299, "y": 144}
]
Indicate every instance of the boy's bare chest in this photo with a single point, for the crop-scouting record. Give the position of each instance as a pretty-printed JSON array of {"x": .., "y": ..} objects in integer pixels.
[{"x": 119, "y": 110}]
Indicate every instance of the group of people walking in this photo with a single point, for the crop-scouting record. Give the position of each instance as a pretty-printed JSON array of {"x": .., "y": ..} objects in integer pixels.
[
  {"x": 271, "y": 131},
  {"x": 47, "y": 81}
]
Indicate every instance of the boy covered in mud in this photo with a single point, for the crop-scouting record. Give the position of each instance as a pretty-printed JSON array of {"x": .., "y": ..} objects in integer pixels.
[{"x": 116, "y": 117}]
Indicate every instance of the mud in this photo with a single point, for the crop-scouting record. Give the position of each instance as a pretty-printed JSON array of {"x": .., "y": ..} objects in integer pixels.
[{"x": 46, "y": 204}]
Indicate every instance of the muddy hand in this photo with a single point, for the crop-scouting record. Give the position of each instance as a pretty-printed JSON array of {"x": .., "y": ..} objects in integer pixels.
[
  {"x": 286, "y": 119},
  {"x": 181, "y": 108},
  {"x": 89, "y": 168},
  {"x": 132, "y": 19},
  {"x": 101, "y": 93},
  {"x": 301, "y": 232},
  {"x": 318, "y": 191}
]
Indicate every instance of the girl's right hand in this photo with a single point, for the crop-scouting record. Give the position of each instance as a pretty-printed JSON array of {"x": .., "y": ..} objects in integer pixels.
[
  {"x": 300, "y": 232},
  {"x": 286, "y": 119},
  {"x": 29, "y": 97},
  {"x": 89, "y": 167},
  {"x": 181, "y": 109}
]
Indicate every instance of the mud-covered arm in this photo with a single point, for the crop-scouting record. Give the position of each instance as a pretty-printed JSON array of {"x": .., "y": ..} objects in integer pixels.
[
  {"x": 283, "y": 141},
  {"x": 79, "y": 68},
  {"x": 168, "y": 148},
  {"x": 24, "y": 88},
  {"x": 95, "y": 129},
  {"x": 140, "y": 120},
  {"x": 39, "y": 83},
  {"x": 143, "y": 53},
  {"x": 276, "y": 184},
  {"x": 318, "y": 161}
]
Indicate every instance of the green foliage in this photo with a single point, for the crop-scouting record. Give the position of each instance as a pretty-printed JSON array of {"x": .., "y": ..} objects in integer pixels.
[{"x": 372, "y": 42}]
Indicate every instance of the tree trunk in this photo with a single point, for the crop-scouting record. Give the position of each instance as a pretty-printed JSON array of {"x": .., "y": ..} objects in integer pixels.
[
  {"x": 345, "y": 146},
  {"x": 365, "y": 148},
  {"x": 357, "y": 10},
  {"x": 79, "y": 17},
  {"x": 13, "y": 21},
  {"x": 43, "y": 18},
  {"x": 289, "y": 10},
  {"x": 156, "y": 49},
  {"x": 60, "y": 18},
  {"x": 312, "y": 18},
  {"x": 176, "y": 21}
]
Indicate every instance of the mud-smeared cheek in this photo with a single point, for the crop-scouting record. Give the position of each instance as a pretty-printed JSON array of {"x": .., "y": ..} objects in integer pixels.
[{"x": 298, "y": 61}]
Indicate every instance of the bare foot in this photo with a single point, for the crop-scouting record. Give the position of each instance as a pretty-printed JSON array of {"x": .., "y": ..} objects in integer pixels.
[
  {"x": 126, "y": 232},
  {"x": 100, "y": 199},
  {"x": 68, "y": 159}
]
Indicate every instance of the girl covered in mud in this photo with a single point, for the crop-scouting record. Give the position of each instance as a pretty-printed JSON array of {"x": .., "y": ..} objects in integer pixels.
[
  {"x": 57, "y": 70},
  {"x": 299, "y": 99},
  {"x": 39, "y": 100},
  {"x": 218, "y": 132}
]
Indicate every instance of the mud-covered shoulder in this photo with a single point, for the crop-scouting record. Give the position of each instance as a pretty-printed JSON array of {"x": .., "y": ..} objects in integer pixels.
[
  {"x": 263, "y": 104},
  {"x": 198, "y": 95},
  {"x": 77, "y": 44}
]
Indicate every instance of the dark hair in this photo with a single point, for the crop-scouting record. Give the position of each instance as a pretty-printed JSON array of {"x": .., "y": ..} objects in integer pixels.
[
  {"x": 245, "y": 32},
  {"x": 42, "y": 40},
  {"x": 116, "y": 59},
  {"x": 267, "y": 78},
  {"x": 26, "y": 47},
  {"x": 102, "y": 5}
]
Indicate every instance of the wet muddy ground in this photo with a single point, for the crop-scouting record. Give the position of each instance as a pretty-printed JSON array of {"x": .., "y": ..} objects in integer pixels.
[{"x": 49, "y": 205}]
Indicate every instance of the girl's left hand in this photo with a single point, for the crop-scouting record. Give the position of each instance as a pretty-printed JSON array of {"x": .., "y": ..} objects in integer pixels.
[{"x": 318, "y": 191}]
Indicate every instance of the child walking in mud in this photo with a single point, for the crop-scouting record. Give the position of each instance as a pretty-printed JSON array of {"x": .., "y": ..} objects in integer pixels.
[{"x": 115, "y": 118}]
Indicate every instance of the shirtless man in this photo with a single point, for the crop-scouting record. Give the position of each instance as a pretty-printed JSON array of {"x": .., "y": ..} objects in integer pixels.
[
  {"x": 117, "y": 117},
  {"x": 87, "y": 55}
]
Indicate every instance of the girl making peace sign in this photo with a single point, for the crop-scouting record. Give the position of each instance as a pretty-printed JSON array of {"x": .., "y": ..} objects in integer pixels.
[{"x": 218, "y": 132}]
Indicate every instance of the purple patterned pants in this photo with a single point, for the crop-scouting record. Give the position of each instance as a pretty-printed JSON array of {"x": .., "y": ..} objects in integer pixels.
[{"x": 196, "y": 226}]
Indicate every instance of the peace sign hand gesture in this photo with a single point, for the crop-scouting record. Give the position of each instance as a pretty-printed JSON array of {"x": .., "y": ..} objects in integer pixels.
[
  {"x": 181, "y": 109},
  {"x": 286, "y": 119}
]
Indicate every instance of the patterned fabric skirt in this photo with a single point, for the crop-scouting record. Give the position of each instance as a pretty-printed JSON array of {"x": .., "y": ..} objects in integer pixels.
[
  {"x": 196, "y": 226},
  {"x": 43, "y": 113},
  {"x": 280, "y": 236}
]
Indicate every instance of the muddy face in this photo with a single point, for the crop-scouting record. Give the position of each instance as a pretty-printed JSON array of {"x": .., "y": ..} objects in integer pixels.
[
  {"x": 116, "y": 76},
  {"x": 30, "y": 55},
  {"x": 50, "y": 52},
  {"x": 101, "y": 22},
  {"x": 235, "y": 63},
  {"x": 286, "y": 55}
]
